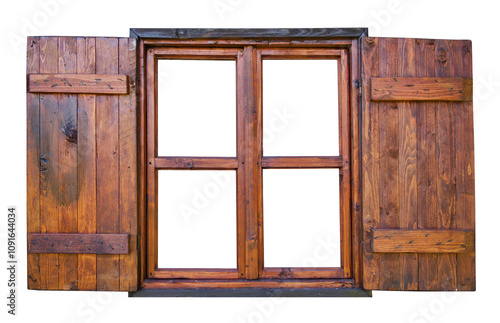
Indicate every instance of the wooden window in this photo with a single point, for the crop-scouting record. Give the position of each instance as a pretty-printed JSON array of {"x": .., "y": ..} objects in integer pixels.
[{"x": 103, "y": 151}]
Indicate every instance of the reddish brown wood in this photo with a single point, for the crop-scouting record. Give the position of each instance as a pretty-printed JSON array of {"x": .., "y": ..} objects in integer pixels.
[
  {"x": 356, "y": 216},
  {"x": 67, "y": 142},
  {"x": 421, "y": 88},
  {"x": 389, "y": 165},
  {"x": 302, "y": 162},
  {"x": 76, "y": 243},
  {"x": 33, "y": 161},
  {"x": 48, "y": 164},
  {"x": 196, "y": 163},
  {"x": 127, "y": 52},
  {"x": 302, "y": 273},
  {"x": 65, "y": 82},
  {"x": 108, "y": 177},
  {"x": 464, "y": 124},
  {"x": 261, "y": 283},
  {"x": 426, "y": 166},
  {"x": 142, "y": 162},
  {"x": 370, "y": 178},
  {"x": 180, "y": 273},
  {"x": 345, "y": 171},
  {"x": 423, "y": 241},
  {"x": 151, "y": 91},
  {"x": 419, "y": 179},
  {"x": 408, "y": 163},
  {"x": 446, "y": 166},
  {"x": 87, "y": 215}
]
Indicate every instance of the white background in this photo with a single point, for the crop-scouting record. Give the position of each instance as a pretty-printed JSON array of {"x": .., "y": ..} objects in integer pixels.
[{"x": 425, "y": 19}]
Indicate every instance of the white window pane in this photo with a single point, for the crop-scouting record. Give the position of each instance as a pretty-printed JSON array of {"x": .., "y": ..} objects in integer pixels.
[
  {"x": 196, "y": 219},
  {"x": 196, "y": 108},
  {"x": 300, "y": 108},
  {"x": 301, "y": 218}
]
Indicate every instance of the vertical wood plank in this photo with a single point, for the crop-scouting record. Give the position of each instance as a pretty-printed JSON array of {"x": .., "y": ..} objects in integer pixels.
[
  {"x": 464, "y": 165},
  {"x": 240, "y": 173},
  {"x": 152, "y": 173},
  {"x": 67, "y": 141},
  {"x": 426, "y": 166},
  {"x": 141, "y": 120},
  {"x": 408, "y": 215},
  {"x": 108, "y": 176},
  {"x": 86, "y": 163},
  {"x": 356, "y": 162},
  {"x": 252, "y": 171},
  {"x": 390, "y": 266},
  {"x": 33, "y": 161},
  {"x": 128, "y": 164},
  {"x": 345, "y": 178},
  {"x": 446, "y": 183},
  {"x": 49, "y": 168},
  {"x": 370, "y": 163}
]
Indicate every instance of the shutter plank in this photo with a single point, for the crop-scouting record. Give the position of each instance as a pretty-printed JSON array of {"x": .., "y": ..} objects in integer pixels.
[
  {"x": 49, "y": 170},
  {"x": 86, "y": 164},
  {"x": 408, "y": 163},
  {"x": 465, "y": 167},
  {"x": 33, "y": 161},
  {"x": 68, "y": 82},
  {"x": 67, "y": 142},
  {"x": 370, "y": 178},
  {"x": 427, "y": 166},
  {"x": 108, "y": 206},
  {"x": 446, "y": 188},
  {"x": 128, "y": 165},
  {"x": 389, "y": 164}
]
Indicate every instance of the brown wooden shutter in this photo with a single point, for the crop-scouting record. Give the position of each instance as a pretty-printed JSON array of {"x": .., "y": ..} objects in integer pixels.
[
  {"x": 418, "y": 164},
  {"x": 82, "y": 163}
]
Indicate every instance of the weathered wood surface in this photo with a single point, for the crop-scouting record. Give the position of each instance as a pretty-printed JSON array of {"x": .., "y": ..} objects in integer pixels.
[
  {"x": 75, "y": 143},
  {"x": 423, "y": 241},
  {"x": 75, "y": 243},
  {"x": 248, "y": 33},
  {"x": 78, "y": 83},
  {"x": 417, "y": 163},
  {"x": 421, "y": 88}
]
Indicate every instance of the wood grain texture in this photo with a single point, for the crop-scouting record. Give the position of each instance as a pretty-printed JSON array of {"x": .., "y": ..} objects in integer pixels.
[
  {"x": 247, "y": 33},
  {"x": 127, "y": 52},
  {"x": 466, "y": 266},
  {"x": 421, "y": 174},
  {"x": 107, "y": 166},
  {"x": 33, "y": 161},
  {"x": 426, "y": 166},
  {"x": 48, "y": 163},
  {"x": 216, "y": 163},
  {"x": 87, "y": 175},
  {"x": 78, "y": 83},
  {"x": 302, "y": 162},
  {"x": 421, "y": 88},
  {"x": 370, "y": 168},
  {"x": 76, "y": 243},
  {"x": 390, "y": 177},
  {"x": 423, "y": 241},
  {"x": 67, "y": 142}
]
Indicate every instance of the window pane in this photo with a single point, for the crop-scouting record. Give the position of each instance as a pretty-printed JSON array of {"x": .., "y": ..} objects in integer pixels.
[
  {"x": 196, "y": 219},
  {"x": 300, "y": 108},
  {"x": 301, "y": 218},
  {"x": 196, "y": 108}
]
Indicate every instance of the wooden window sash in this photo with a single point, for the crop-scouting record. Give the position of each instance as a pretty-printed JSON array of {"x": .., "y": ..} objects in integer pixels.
[{"x": 250, "y": 264}]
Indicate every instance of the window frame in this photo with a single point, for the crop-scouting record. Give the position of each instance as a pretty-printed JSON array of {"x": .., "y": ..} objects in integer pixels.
[{"x": 346, "y": 50}]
